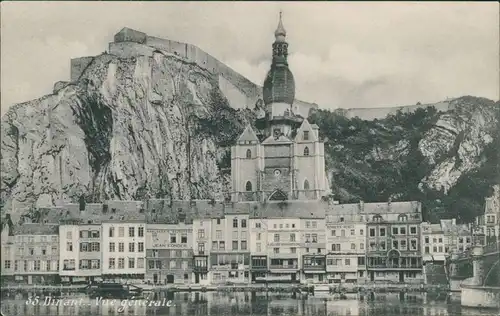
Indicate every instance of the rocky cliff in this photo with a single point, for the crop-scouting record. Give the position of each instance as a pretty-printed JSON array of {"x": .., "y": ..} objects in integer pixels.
[
  {"x": 129, "y": 127},
  {"x": 156, "y": 125},
  {"x": 449, "y": 159}
]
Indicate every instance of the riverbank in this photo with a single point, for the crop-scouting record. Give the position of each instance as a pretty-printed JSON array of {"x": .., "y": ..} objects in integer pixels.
[{"x": 281, "y": 288}]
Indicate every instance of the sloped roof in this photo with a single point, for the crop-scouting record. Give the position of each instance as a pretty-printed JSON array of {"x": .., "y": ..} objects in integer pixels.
[
  {"x": 273, "y": 141},
  {"x": 248, "y": 135},
  {"x": 37, "y": 229},
  {"x": 288, "y": 209}
]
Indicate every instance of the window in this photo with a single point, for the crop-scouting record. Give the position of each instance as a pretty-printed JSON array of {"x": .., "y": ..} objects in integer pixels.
[
  {"x": 121, "y": 247},
  {"x": 353, "y": 246},
  {"x": 361, "y": 246},
  {"x": 173, "y": 238},
  {"x": 111, "y": 263},
  {"x": 306, "y": 151},
  {"x": 248, "y": 186},
  {"x": 276, "y": 250},
  {"x": 276, "y": 237},
  {"x": 426, "y": 249},
  {"x": 111, "y": 247},
  {"x": 308, "y": 238},
  {"x": 382, "y": 232},
  {"x": 341, "y": 219},
  {"x": 342, "y": 233},
  {"x": 258, "y": 225},
  {"x": 214, "y": 245},
  {"x": 306, "y": 185},
  {"x": 259, "y": 236},
  {"x": 249, "y": 154},
  {"x": 413, "y": 244},
  {"x": 395, "y": 244},
  {"x": 140, "y": 248},
  {"x": 235, "y": 245},
  {"x": 353, "y": 232},
  {"x": 131, "y": 263},
  {"x": 201, "y": 248},
  {"x": 201, "y": 233},
  {"x": 121, "y": 263},
  {"x": 54, "y": 250},
  {"x": 121, "y": 231},
  {"x": 243, "y": 223},
  {"x": 314, "y": 238},
  {"x": 69, "y": 246},
  {"x": 434, "y": 249},
  {"x": 140, "y": 232},
  {"x": 243, "y": 245},
  {"x": 131, "y": 247},
  {"x": 111, "y": 232},
  {"x": 426, "y": 240},
  {"x": 235, "y": 223},
  {"x": 95, "y": 247},
  {"x": 131, "y": 231},
  {"x": 413, "y": 230},
  {"x": 184, "y": 238},
  {"x": 68, "y": 235},
  {"x": 306, "y": 135},
  {"x": 218, "y": 234},
  {"x": 440, "y": 240},
  {"x": 347, "y": 262},
  {"x": 222, "y": 245},
  {"x": 402, "y": 230},
  {"x": 372, "y": 232},
  {"x": 308, "y": 224},
  {"x": 292, "y": 237},
  {"x": 218, "y": 221},
  {"x": 394, "y": 230},
  {"x": 403, "y": 244},
  {"x": 382, "y": 245},
  {"x": 334, "y": 233},
  {"x": 259, "y": 247}
]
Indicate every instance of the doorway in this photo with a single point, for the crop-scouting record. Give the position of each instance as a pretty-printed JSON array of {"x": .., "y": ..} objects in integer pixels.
[
  {"x": 401, "y": 277},
  {"x": 372, "y": 276},
  {"x": 196, "y": 278}
]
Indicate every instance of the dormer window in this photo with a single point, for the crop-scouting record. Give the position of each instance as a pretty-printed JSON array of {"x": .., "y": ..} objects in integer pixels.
[
  {"x": 277, "y": 132},
  {"x": 249, "y": 154},
  {"x": 306, "y": 135}
]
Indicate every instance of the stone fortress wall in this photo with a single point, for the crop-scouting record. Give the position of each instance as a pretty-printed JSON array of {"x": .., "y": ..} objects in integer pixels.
[{"x": 240, "y": 92}]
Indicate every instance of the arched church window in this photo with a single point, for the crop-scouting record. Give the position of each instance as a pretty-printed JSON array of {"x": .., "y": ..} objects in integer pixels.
[
  {"x": 248, "y": 186},
  {"x": 249, "y": 154},
  {"x": 306, "y": 151},
  {"x": 306, "y": 185}
]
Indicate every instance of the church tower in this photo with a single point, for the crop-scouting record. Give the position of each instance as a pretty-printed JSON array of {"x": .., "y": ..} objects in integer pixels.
[{"x": 289, "y": 163}]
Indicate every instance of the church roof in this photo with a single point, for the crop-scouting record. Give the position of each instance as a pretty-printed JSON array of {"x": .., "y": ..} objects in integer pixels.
[
  {"x": 281, "y": 140},
  {"x": 248, "y": 135},
  {"x": 279, "y": 85}
]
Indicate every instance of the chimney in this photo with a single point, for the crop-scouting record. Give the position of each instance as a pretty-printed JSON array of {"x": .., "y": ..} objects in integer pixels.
[{"x": 361, "y": 205}]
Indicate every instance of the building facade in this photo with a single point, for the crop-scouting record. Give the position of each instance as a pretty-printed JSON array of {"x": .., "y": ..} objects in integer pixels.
[
  {"x": 393, "y": 241},
  {"x": 169, "y": 253},
  {"x": 124, "y": 250},
  {"x": 313, "y": 250},
  {"x": 37, "y": 254},
  {"x": 434, "y": 244},
  {"x": 346, "y": 237},
  {"x": 230, "y": 251}
]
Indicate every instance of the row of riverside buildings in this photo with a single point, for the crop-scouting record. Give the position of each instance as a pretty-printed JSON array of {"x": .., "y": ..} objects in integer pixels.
[
  {"x": 278, "y": 223},
  {"x": 210, "y": 243}
]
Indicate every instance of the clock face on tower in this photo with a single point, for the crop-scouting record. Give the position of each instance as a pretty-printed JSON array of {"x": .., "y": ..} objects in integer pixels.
[{"x": 277, "y": 173}]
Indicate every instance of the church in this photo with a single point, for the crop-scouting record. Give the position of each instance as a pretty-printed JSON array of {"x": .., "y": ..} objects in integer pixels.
[{"x": 284, "y": 159}]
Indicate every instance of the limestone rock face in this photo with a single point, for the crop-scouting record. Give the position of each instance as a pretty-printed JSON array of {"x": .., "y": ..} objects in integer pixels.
[
  {"x": 120, "y": 132},
  {"x": 455, "y": 143}
]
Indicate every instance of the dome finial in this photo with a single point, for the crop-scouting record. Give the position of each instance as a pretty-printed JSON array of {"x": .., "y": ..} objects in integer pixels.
[{"x": 280, "y": 32}]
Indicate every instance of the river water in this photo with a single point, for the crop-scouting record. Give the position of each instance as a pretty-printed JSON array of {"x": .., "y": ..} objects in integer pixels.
[{"x": 243, "y": 304}]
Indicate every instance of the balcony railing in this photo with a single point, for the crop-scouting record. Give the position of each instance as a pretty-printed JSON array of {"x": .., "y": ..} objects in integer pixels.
[
  {"x": 259, "y": 268},
  {"x": 284, "y": 267},
  {"x": 395, "y": 266},
  {"x": 200, "y": 269},
  {"x": 314, "y": 267}
]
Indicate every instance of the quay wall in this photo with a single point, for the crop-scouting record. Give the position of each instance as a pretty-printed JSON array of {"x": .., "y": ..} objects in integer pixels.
[{"x": 480, "y": 297}]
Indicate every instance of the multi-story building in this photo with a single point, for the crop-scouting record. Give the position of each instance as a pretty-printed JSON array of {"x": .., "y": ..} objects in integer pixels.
[
  {"x": 229, "y": 250},
  {"x": 169, "y": 253},
  {"x": 37, "y": 254},
  {"x": 287, "y": 241},
  {"x": 7, "y": 251},
  {"x": 487, "y": 226},
  {"x": 393, "y": 241},
  {"x": 434, "y": 244},
  {"x": 124, "y": 241},
  {"x": 202, "y": 231},
  {"x": 313, "y": 250},
  {"x": 89, "y": 251},
  {"x": 346, "y": 237}
]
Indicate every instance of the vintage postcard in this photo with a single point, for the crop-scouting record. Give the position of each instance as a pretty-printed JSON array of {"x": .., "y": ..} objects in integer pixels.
[{"x": 250, "y": 158}]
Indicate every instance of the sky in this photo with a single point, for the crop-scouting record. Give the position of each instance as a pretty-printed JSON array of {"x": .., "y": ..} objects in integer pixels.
[{"x": 343, "y": 55}]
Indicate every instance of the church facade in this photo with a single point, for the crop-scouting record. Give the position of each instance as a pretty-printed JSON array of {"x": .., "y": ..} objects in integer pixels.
[{"x": 284, "y": 159}]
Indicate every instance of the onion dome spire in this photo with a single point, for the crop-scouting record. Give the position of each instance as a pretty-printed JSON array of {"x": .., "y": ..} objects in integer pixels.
[{"x": 280, "y": 32}]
